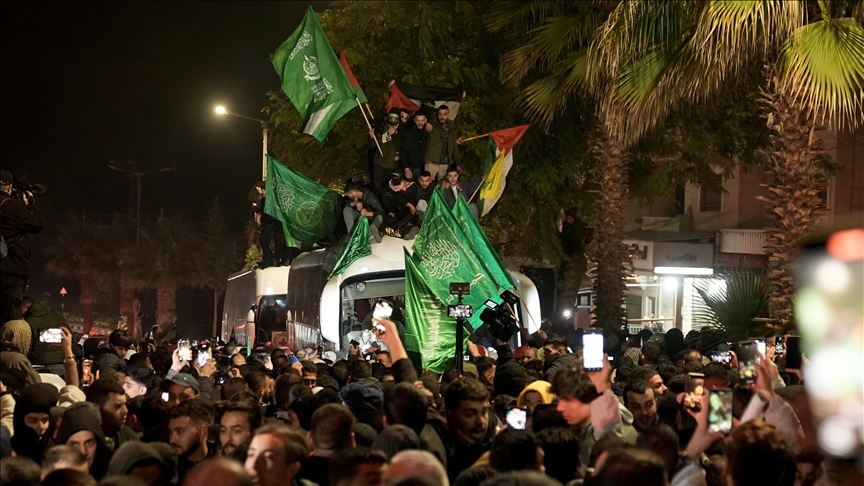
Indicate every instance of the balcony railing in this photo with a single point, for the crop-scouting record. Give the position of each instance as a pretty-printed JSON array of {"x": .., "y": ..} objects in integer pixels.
[{"x": 746, "y": 241}]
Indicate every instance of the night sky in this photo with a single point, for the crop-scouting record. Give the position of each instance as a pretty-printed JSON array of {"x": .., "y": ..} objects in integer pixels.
[{"x": 88, "y": 83}]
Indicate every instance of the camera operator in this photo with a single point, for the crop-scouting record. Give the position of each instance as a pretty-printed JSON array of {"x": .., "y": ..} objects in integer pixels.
[{"x": 18, "y": 218}]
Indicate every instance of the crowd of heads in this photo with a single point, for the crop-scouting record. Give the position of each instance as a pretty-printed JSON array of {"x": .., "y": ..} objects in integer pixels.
[{"x": 530, "y": 415}]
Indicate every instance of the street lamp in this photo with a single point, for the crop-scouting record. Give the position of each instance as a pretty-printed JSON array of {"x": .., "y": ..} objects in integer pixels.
[
  {"x": 137, "y": 175},
  {"x": 222, "y": 111}
]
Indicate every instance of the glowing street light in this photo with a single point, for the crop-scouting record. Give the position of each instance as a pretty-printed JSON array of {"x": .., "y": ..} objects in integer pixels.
[{"x": 222, "y": 111}]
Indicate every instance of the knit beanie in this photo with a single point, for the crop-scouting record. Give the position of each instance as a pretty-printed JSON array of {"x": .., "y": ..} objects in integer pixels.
[{"x": 17, "y": 334}]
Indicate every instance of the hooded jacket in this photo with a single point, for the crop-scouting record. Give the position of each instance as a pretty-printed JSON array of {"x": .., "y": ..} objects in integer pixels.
[
  {"x": 132, "y": 454},
  {"x": 38, "y": 398},
  {"x": 86, "y": 416},
  {"x": 21, "y": 367},
  {"x": 41, "y": 317},
  {"x": 544, "y": 388}
]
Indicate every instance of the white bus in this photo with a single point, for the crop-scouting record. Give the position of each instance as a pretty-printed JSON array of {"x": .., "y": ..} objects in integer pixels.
[{"x": 301, "y": 302}]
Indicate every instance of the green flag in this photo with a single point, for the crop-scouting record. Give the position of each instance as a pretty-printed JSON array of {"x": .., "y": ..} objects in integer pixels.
[
  {"x": 484, "y": 250},
  {"x": 313, "y": 79},
  {"x": 356, "y": 248},
  {"x": 309, "y": 210},
  {"x": 428, "y": 329},
  {"x": 447, "y": 255}
]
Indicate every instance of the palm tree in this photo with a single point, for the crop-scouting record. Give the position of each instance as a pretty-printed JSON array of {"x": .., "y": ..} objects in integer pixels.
[
  {"x": 650, "y": 58},
  {"x": 81, "y": 251},
  {"x": 121, "y": 238},
  {"x": 165, "y": 261},
  {"x": 552, "y": 53}
]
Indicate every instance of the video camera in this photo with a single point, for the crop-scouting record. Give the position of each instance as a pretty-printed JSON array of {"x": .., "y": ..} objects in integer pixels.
[
  {"x": 22, "y": 187},
  {"x": 499, "y": 319}
]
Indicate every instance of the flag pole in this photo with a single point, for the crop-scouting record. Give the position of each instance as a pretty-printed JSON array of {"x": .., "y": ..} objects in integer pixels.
[
  {"x": 363, "y": 112},
  {"x": 475, "y": 138},
  {"x": 369, "y": 108},
  {"x": 479, "y": 186}
]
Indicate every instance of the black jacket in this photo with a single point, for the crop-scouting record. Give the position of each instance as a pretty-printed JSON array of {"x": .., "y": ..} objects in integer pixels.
[
  {"x": 17, "y": 221},
  {"x": 413, "y": 153},
  {"x": 41, "y": 317},
  {"x": 509, "y": 376},
  {"x": 107, "y": 362},
  {"x": 371, "y": 202}
]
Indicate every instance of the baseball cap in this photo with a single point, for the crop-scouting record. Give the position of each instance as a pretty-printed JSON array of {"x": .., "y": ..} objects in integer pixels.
[
  {"x": 362, "y": 395},
  {"x": 186, "y": 380},
  {"x": 6, "y": 176}
]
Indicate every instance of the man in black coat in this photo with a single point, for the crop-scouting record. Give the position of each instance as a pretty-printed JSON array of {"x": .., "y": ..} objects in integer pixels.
[
  {"x": 413, "y": 152},
  {"x": 18, "y": 218}
]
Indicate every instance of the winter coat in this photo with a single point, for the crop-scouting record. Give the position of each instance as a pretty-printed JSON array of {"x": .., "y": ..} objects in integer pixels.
[
  {"x": 509, "y": 375},
  {"x": 17, "y": 221},
  {"x": 435, "y": 145},
  {"x": 107, "y": 362},
  {"x": 41, "y": 317}
]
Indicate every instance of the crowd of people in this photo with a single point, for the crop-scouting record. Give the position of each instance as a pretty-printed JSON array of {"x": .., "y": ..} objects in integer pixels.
[
  {"x": 119, "y": 412},
  {"x": 409, "y": 155}
]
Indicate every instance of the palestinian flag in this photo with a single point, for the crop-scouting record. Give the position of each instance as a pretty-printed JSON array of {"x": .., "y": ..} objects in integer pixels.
[
  {"x": 348, "y": 72},
  {"x": 413, "y": 97},
  {"x": 499, "y": 160}
]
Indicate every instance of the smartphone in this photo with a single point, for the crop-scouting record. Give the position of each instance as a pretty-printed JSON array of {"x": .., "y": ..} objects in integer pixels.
[
  {"x": 747, "y": 361},
  {"x": 722, "y": 357},
  {"x": 184, "y": 350},
  {"x": 761, "y": 347},
  {"x": 517, "y": 418},
  {"x": 695, "y": 391},
  {"x": 779, "y": 345},
  {"x": 466, "y": 357},
  {"x": 51, "y": 336},
  {"x": 793, "y": 353},
  {"x": 204, "y": 355},
  {"x": 86, "y": 372},
  {"x": 165, "y": 397},
  {"x": 592, "y": 351},
  {"x": 460, "y": 310},
  {"x": 720, "y": 410}
]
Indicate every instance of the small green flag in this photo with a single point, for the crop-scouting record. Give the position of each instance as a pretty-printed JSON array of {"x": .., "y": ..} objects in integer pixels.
[
  {"x": 309, "y": 210},
  {"x": 356, "y": 248},
  {"x": 484, "y": 250},
  {"x": 428, "y": 329},
  {"x": 313, "y": 79},
  {"x": 447, "y": 256}
]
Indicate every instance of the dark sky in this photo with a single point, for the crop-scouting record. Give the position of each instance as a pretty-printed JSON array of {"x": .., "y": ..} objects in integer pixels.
[{"x": 87, "y": 83}]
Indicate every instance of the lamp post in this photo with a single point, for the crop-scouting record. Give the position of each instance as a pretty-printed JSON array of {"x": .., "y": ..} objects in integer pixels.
[
  {"x": 137, "y": 175},
  {"x": 222, "y": 111}
]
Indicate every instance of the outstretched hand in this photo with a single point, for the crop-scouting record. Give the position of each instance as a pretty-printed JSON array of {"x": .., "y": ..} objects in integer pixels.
[
  {"x": 600, "y": 379},
  {"x": 702, "y": 439}
]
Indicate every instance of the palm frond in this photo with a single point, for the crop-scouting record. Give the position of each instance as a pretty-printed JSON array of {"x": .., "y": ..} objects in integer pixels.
[
  {"x": 735, "y": 31},
  {"x": 550, "y": 94},
  {"x": 730, "y": 302},
  {"x": 822, "y": 67},
  {"x": 520, "y": 13}
]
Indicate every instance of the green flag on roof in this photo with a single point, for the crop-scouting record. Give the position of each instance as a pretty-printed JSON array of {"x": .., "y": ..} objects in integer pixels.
[
  {"x": 428, "y": 329},
  {"x": 356, "y": 248},
  {"x": 309, "y": 210},
  {"x": 313, "y": 79},
  {"x": 447, "y": 255},
  {"x": 481, "y": 245}
]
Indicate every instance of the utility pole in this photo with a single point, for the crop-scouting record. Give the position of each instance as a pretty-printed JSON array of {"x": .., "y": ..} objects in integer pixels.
[{"x": 137, "y": 174}]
